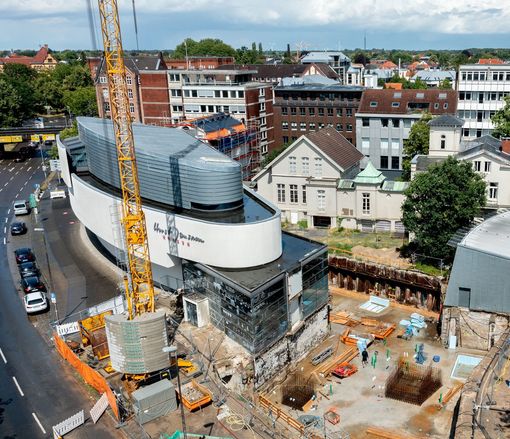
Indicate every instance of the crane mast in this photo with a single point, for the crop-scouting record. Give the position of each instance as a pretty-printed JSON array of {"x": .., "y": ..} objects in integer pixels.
[{"x": 139, "y": 283}]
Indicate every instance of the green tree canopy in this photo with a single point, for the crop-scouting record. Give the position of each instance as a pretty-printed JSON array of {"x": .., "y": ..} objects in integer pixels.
[
  {"x": 82, "y": 101},
  {"x": 273, "y": 154},
  {"x": 445, "y": 84},
  {"x": 416, "y": 143},
  {"x": 501, "y": 120},
  {"x": 10, "y": 105},
  {"x": 439, "y": 202},
  {"x": 207, "y": 46},
  {"x": 22, "y": 78}
]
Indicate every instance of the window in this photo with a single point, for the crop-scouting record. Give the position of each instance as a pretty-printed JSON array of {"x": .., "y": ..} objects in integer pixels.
[
  {"x": 285, "y": 125},
  {"x": 395, "y": 104},
  {"x": 174, "y": 77},
  {"x": 302, "y": 126},
  {"x": 285, "y": 111},
  {"x": 293, "y": 111},
  {"x": 395, "y": 146},
  {"x": 487, "y": 167},
  {"x": 262, "y": 91},
  {"x": 395, "y": 162},
  {"x": 224, "y": 93},
  {"x": 445, "y": 105},
  {"x": 131, "y": 107},
  {"x": 302, "y": 111},
  {"x": 321, "y": 125},
  {"x": 303, "y": 193},
  {"x": 129, "y": 80},
  {"x": 493, "y": 191},
  {"x": 292, "y": 165},
  {"x": 365, "y": 122},
  {"x": 318, "y": 167},
  {"x": 395, "y": 122},
  {"x": 348, "y": 112},
  {"x": 102, "y": 79},
  {"x": 348, "y": 127},
  {"x": 477, "y": 165},
  {"x": 464, "y": 297},
  {"x": 384, "y": 145},
  {"x": 285, "y": 139},
  {"x": 365, "y": 145},
  {"x": 321, "y": 111},
  {"x": 384, "y": 162},
  {"x": 105, "y": 93},
  {"x": 311, "y": 111},
  {"x": 176, "y": 107},
  {"x": 176, "y": 93},
  {"x": 312, "y": 126},
  {"x": 262, "y": 106},
  {"x": 443, "y": 142},
  {"x": 339, "y": 127},
  {"x": 293, "y": 126},
  {"x": 130, "y": 93},
  {"x": 330, "y": 111},
  {"x": 339, "y": 112},
  {"x": 305, "y": 165},
  {"x": 281, "y": 193},
  {"x": 384, "y": 122},
  {"x": 106, "y": 106},
  {"x": 263, "y": 120},
  {"x": 293, "y": 193},
  {"x": 365, "y": 197},
  {"x": 373, "y": 104},
  {"x": 321, "y": 199}
]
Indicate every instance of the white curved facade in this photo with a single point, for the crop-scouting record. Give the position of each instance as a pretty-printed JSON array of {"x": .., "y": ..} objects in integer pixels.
[{"x": 174, "y": 236}]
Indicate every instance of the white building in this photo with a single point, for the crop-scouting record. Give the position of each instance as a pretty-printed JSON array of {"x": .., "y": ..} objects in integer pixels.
[
  {"x": 488, "y": 155},
  {"x": 481, "y": 89},
  {"x": 318, "y": 179}
]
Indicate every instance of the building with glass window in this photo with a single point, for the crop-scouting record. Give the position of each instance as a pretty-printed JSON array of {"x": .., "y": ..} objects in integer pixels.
[
  {"x": 482, "y": 88},
  {"x": 209, "y": 236},
  {"x": 324, "y": 181},
  {"x": 385, "y": 117}
]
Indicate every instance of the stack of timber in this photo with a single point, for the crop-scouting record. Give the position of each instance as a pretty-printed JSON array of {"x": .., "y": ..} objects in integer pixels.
[
  {"x": 343, "y": 318},
  {"x": 325, "y": 369}
]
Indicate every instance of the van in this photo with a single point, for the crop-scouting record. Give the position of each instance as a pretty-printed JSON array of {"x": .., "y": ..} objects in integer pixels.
[{"x": 21, "y": 207}]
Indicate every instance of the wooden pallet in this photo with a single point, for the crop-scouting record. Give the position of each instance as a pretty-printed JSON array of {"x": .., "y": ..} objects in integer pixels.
[
  {"x": 343, "y": 318},
  {"x": 387, "y": 434}
]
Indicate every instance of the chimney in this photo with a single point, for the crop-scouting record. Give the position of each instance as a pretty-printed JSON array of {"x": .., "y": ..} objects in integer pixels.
[{"x": 505, "y": 145}]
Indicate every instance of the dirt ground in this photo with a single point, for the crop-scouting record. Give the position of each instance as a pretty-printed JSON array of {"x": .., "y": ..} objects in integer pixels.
[{"x": 359, "y": 399}]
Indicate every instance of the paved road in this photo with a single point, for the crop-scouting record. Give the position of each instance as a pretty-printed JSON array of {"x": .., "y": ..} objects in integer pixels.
[{"x": 36, "y": 389}]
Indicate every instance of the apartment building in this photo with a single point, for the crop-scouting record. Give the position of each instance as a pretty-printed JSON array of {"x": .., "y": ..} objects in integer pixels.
[
  {"x": 482, "y": 88},
  {"x": 43, "y": 60},
  {"x": 199, "y": 62},
  {"x": 302, "y": 108},
  {"x": 201, "y": 93},
  {"x": 385, "y": 118},
  {"x": 147, "y": 88},
  {"x": 337, "y": 60}
]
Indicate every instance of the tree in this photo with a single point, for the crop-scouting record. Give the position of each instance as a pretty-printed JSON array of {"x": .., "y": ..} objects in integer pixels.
[
  {"x": 501, "y": 120},
  {"x": 10, "y": 105},
  {"x": 82, "y": 101},
  {"x": 416, "y": 143},
  {"x": 273, "y": 154},
  {"x": 207, "y": 46},
  {"x": 439, "y": 202},
  {"x": 361, "y": 58},
  {"x": 445, "y": 84},
  {"x": 22, "y": 78},
  {"x": 69, "y": 132},
  {"x": 261, "y": 52}
]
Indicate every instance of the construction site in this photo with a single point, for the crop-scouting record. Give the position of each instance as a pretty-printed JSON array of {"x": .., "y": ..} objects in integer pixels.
[{"x": 230, "y": 328}]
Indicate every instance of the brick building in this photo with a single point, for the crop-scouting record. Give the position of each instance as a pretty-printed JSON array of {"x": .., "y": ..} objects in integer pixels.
[
  {"x": 42, "y": 60},
  {"x": 304, "y": 108},
  {"x": 201, "y": 93},
  {"x": 147, "y": 88}
]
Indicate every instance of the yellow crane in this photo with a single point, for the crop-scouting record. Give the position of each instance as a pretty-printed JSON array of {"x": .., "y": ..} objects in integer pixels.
[{"x": 139, "y": 282}]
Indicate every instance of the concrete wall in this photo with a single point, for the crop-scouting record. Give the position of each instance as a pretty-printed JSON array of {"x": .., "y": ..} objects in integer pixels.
[
  {"x": 451, "y": 137},
  {"x": 292, "y": 348}
]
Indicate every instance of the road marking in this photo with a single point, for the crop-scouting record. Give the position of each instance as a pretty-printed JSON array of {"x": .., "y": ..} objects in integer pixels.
[
  {"x": 12, "y": 169},
  {"x": 3, "y": 356},
  {"x": 6, "y": 219},
  {"x": 12, "y": 178},
  {"x": 17, "y": 385},
  {"x": 4, "y": 240},
  {"x": 5, "y": 229},
  {"x": 9, "y": 211},
  {"x": 38, "y": 423},
  {"x": 30, "y": 167},
  {"x": 6, "y": 184}
]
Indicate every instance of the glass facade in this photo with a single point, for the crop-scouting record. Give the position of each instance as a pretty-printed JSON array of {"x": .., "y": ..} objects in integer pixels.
[
  {"x": 315, "y": 284},
  {"x": 255, "y": 322}
]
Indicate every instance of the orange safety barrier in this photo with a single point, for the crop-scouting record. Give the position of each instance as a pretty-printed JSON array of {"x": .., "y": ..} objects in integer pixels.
[{"x": 91, "y": 376}]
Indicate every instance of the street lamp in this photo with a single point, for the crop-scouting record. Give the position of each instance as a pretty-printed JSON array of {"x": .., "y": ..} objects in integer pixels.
[{"x": 173, "y": 350}]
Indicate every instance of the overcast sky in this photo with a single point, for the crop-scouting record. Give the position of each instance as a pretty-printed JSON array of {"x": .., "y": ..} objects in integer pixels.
[{"x": 313, "y": 24}]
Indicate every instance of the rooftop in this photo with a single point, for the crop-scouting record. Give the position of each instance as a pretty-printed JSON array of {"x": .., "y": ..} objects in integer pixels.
[
  {"x": 320, "y": 87},
  {"x": 369, "y": 175},
  {"x": 446, "y": 120},
  {"x": 294, "y": 250},
  {"x": 336, "y": 147}
]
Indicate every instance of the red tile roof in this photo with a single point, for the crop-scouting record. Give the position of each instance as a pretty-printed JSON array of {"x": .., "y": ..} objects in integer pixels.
[
  {"x": 388, "y": 65},
  {"x": 409, "y": 101},
  {"x": 490, "y": 61},
  {"x": 38, "y": 58},
  {"x": 393, "y": 85},
  {"x": 336, "y": 147}
]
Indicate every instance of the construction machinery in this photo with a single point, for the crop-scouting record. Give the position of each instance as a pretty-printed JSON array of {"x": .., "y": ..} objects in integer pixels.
[{"x": 139, "y": 284}]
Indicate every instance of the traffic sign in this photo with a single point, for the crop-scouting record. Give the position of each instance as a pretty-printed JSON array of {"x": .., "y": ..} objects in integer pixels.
[{"x": 55, "y": 165}]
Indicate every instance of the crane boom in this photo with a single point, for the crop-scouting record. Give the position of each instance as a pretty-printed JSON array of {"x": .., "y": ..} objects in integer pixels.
[{"x": 139, "y": 285}]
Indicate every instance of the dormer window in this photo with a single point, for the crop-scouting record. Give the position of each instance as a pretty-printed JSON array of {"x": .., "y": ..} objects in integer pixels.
[{"x": 373, "y": 104}]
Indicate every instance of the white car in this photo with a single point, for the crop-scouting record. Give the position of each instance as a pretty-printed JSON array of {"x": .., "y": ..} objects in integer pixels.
[{"x": 35, "y": 302}]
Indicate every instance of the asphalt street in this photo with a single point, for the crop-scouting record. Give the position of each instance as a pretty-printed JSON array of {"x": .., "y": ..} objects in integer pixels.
[{"x": 37, "y": 390}]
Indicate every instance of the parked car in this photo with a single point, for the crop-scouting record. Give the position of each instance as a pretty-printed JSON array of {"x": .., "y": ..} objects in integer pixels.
[
  {"x": 21, "y": 207},
  {"x": 35, "y": 302},
  {"x": 28, "y": 269},
  {"x": 24, "y": 255},
  {"x": 31, "y": 284},
  {"x": 18, "y": 228},
  {"x": 48, "y": 142}
]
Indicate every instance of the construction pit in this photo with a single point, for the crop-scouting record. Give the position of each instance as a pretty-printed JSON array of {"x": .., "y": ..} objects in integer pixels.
[{"x": 392, "y": 394}]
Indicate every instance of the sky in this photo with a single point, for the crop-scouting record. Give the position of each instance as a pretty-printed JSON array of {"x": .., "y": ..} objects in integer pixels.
[{"x": 307, "y": 24}]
